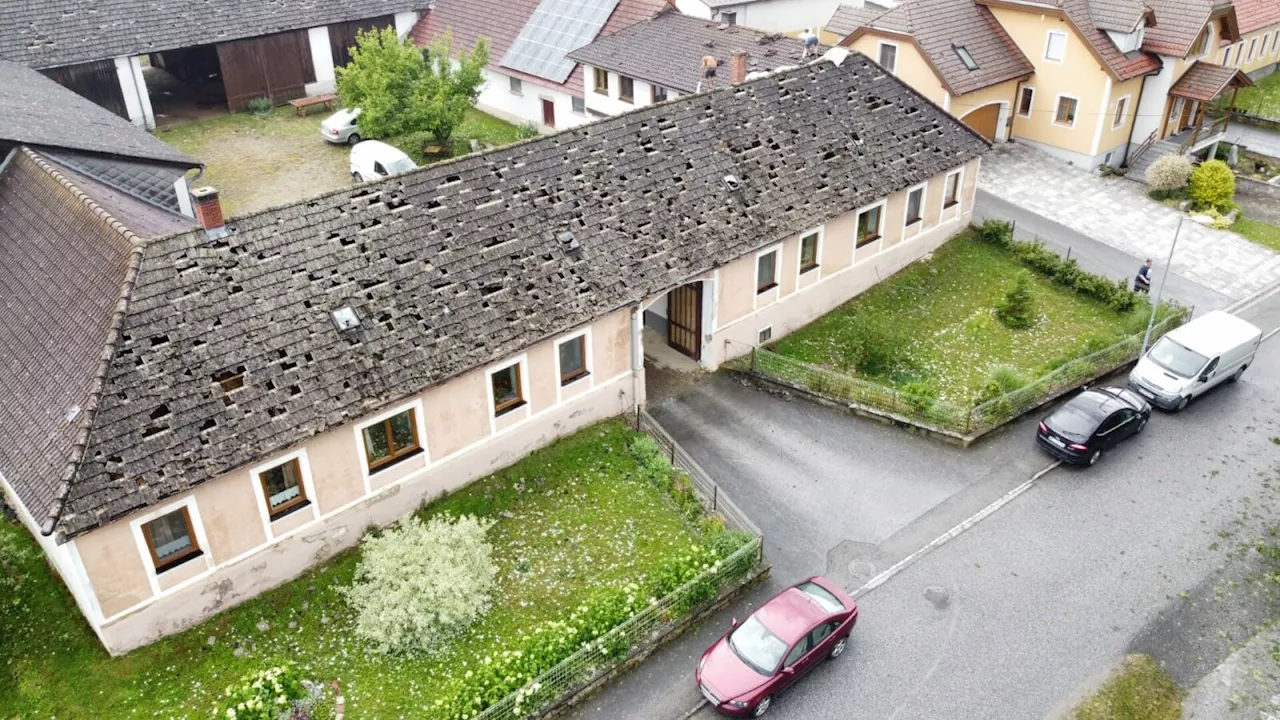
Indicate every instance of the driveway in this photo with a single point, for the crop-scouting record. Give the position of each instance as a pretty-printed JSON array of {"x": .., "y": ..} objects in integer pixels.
[{"x": 1117, "y": 213}]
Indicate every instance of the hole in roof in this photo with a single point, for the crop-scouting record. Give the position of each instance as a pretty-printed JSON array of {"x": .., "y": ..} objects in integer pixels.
[
  {"x": 160, "y": 412},
  {"x": 230, "y": 379}
]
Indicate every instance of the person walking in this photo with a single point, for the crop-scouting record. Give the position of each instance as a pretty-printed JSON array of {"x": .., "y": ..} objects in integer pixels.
[{"x": 1142, "y": 281}]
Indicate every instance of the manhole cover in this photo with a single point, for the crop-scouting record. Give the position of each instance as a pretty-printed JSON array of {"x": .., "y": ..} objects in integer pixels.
[
  {"x": 862, "y": 570},
  {"x": 937, "y": 595}
]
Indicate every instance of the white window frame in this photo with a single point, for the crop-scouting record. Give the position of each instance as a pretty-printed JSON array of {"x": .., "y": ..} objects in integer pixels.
[
  {"x": 1240, "y": 54},
  {"x": 1208, "y": 42},
  {"x": 959, "y": 172},
  {"x": 1057, "y": 102},
  {"x": 755, "y": 275},
  {"x": 419, "y": 417},
  {"x": 522, "y": 366},
  {"x": 197, "y": 526},
  {"x": 1048, "y": 45},
  {"x": 817, "y": 251},
  {"x": 883, "y": 204},
  {"x": 924, "y": 199},
  {"x": 761, "y": 331},
  {"x": 1031, "y": 108},
  {"x": 308, "y": 486},
  {"x": 1124, "y": 100},
  {"x": 882, "y": 43},
  {"x": 1266, "y": 37},
  {"x": 1253, "y": 45},
  {"x": 1226, "y": 56},
  {"x": 588, "y": 361},
  {"x": 574, "y": 110},
  {"x": 515, "y": 86}
]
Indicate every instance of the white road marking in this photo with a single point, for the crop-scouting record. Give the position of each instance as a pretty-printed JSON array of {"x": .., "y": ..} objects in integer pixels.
[{"x": 1267, "y": 336}]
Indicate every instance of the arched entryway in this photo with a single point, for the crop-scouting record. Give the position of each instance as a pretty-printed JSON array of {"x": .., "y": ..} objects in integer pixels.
[{"x": 989, "y": 121}]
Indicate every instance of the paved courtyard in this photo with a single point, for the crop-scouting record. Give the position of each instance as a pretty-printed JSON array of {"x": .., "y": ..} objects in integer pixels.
[{"x": 1118, "y": 212}]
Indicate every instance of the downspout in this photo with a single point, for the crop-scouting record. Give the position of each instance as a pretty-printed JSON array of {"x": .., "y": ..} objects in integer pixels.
[
  {"x": 1017, "y": 104},
  {"x": 637, "y": 354},
  {"x": 1134, "y": 125}
]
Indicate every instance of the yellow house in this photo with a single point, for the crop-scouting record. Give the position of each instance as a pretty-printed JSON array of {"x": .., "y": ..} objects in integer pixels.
[
  {"x": 1258, "y": 50},
  {"x": 1093, "y": 82}
]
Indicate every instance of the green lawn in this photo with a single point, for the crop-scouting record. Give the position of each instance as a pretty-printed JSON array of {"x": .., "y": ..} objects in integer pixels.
[
  {"x": 1140, "y": 691},
  {"x": 570, "y": 519},
  {"x": 260, "y": 162},
  {"x": 1262, "y": 99},
  {"x": 1263, "y": 233},
  {"x": 941, "y": 314}
]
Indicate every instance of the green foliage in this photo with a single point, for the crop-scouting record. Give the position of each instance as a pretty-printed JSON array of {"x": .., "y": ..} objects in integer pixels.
[
  {"x": 1140, "y": 691},
  {"x": 1213, "y": 185},
  {"x": 527, "y": 130},
  {"x": 263, "y": 695},
  {"x": 1258, "y": 231},
  {"x": 871, "y": 344},
  {"x": 1017, "y": 309},
  {"x": 920, "y": 395},
  {"x": 1169, "y": 172},
  {"x": 727, "y": 542},
  {"x": 261, "y": 106},
  {"x": 402, "y": 90}
]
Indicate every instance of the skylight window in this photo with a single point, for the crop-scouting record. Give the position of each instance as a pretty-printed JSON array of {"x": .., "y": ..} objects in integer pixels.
[
  {"x": 346, "y": 319},
  {"x": 965, "y": 57}
]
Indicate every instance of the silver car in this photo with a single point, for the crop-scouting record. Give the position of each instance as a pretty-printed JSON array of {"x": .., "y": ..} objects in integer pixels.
[{"x": 340, "y": 127}]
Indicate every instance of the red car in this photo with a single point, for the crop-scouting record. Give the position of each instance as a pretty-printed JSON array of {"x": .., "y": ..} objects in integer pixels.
[{"x": 787, "y": 637}]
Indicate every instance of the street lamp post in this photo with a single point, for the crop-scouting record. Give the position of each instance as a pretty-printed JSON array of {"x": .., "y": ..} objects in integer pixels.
[{"x": 1155, "y": 306}]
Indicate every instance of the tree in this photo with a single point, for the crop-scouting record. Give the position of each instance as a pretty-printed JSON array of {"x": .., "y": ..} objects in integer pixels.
[
  {"x": 400, "y": 89},
  {"x": 1213, "y": 185},
  {"x": 1169, "y": 172},
  {"x": 1017, "y": 309}
]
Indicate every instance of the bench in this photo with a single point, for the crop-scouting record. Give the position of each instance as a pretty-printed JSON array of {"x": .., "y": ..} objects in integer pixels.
[{"x": 301, "y": 104}]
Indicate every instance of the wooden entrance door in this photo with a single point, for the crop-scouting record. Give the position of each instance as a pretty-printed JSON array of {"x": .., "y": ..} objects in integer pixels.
[
  {"x": 684, "y": 319},
  {"x": 548, "y": 113}
]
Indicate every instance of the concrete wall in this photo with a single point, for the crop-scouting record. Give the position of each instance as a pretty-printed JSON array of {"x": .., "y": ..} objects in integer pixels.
[
  {"x": 246, "y": 553},
  {"x": 607, "y": 101},
  {"x": 497, "y": 99},
  {"x": 780, "y": 16},
  {"x": 842, "y": 272}
]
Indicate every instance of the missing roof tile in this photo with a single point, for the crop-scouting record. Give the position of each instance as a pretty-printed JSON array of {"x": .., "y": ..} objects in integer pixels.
[{"x": 230, "y": 379}]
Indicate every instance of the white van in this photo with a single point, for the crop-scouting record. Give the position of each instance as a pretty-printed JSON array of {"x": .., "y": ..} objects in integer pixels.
[
  {"x": 374, "y": 160},
  {"x": 1213, "y": 348}
]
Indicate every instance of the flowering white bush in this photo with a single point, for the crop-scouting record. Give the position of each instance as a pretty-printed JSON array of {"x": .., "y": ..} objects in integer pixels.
[
  {"x": 1169, "y": 172},
  {"x": 265, "y": 695},
  {"x": 420, "y": 584}
]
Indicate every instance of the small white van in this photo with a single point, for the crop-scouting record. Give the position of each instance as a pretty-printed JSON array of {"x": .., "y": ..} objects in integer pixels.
[{"x": 1211, "y": 349}]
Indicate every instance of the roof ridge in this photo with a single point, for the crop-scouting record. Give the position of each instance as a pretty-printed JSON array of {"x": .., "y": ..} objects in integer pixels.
[{"x": 114, "y": 330}]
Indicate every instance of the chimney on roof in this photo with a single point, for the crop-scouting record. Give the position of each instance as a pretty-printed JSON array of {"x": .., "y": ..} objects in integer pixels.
[
  {"x": 208, "y": 210},
  {"x": 737, "y": 67}
]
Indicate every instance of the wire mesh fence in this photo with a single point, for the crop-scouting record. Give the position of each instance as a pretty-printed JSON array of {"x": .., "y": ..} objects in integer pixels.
[{"x": 941, "y": 416}]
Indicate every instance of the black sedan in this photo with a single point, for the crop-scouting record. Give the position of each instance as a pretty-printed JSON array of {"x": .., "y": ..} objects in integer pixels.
[{"x": 1092, "y": 422}]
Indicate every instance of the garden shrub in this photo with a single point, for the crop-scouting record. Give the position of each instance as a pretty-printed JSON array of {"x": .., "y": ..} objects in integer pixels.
[
  {"x": 653, "y": 461},
  {"x": 1169, "y": 172},
  {"x": 261, "y": 106},
  {"x": 727, "y": 542},
  {"x": 920, "y": 395},
  {"x": 419, "y": 584},
  {"x": 527, "y": 130},
  {"x": 1006, "y": 378},
  {"x": 264, "y": 695},
  {"x": 1017, "y": 309},
  {"x": 1116, "y": 294},
  {"x": 996, "y": 232},
  {"x": 1213, "y": 185}
]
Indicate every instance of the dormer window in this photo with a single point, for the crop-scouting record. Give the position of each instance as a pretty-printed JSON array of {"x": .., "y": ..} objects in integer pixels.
[
  {"x": 1127, "y": 42},
  {"x": 1201, "y": 45}
]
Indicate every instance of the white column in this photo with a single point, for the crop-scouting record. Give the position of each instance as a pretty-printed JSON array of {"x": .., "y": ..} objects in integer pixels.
[
  {"x": 136, "y": 101},
  {"x": 405, "y": 22},
  {"x": 144, "y": 97},
  {"x": 321, "y": 60}
]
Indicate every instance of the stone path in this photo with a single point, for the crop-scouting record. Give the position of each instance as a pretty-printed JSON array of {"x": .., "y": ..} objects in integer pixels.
[{"x": 1118, "y": 212}]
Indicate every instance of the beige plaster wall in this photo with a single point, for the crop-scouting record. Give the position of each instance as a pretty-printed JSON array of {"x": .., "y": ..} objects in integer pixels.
[{"x": 912, "y": 68}]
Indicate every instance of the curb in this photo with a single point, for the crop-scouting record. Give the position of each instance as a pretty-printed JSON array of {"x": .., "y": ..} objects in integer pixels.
[{"x": 1245, "y": 303}]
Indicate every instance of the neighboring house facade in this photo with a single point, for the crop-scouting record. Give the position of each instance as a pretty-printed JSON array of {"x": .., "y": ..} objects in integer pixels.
[
  {"x": 661, "y": 59},
  {"x": 272, "y": 386},
  {"x": 1258, "y": 50},
  {"x": 1090, "y": 81},
  {"x": 523, "y": 84},
  {"x": 789, "y": 17},
  {"x": 280, "y": 50}
]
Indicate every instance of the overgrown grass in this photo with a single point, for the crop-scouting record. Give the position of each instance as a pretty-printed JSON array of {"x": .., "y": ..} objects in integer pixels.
[
  {"x": 1140, "y": 691},
  {"x": 572, "y": 518},
  {"x": 1263, "y": 233},
  {"x": 942, "y": 314},
  {"x": 1262, "y": 99}
]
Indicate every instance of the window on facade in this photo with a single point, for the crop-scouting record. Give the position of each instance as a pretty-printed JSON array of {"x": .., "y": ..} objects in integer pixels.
[
  {"x": 1275, "y": 43},
  {"x": 1253, "y": 45},
  {"x": 1240, "y": 54},
  {"x": 391, "y": 440},
  {"x": 965, "y": 57},
  {"x": 808, "y": 252},
  {"x": 508, "y": 392},
  {"x": 573, "y": 359},
  {"x": 951, "y": 192},
  {"x": 602, "y": 81},
  {"x": 659, "y": 94},
  {"x": 580, "y": 105},
  {"x": 1024, "y": 101},
  {"x": 767, "y": 271},
  {"x": 282, "y": 487},
  {"x": 1226, "y": 57},
  {"x": 915, "y": 206},
  {"x": 171, "y": 539},
  {"x": 1262, "y": 47},
  {"x": 1201, "y": 44},
  {"x": 729, "y": 18},
  {"x": 1121, "y": 108},
  {"x": 517, "y": 87},
  {"x": 869, "y": 225},
  {"x": 626, "y": 89},
  {"x": 889, "y": 57},
  {"x": 1066, "y": 113},
  {"x": 1056, "y": 46}
]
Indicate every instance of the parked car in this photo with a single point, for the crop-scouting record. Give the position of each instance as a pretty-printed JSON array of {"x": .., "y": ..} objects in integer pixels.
[
  {"x": 801, "y": 626},
  {"x": 373, "y": 160},
  {"x": 340, "y": 127},
  {"x": 1091, "y": 423},
  {"x": 1192, "y": 359}
]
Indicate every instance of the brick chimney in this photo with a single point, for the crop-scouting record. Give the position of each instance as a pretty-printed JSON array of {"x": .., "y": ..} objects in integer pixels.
[
  {"x": 204, "y": 201},
  {"x": 737, "y": 67}
]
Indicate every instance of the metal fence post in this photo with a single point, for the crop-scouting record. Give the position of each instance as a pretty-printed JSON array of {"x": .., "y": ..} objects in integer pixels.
[
  {"x": 753, "y": 360},
  {"x": 715, "y": 497}
]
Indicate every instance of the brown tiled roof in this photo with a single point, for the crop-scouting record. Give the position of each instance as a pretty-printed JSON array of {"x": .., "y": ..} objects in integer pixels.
[
  {"x": 1178, "y": 22},
  {"x": 63, "y": 262},
  {"x": 500, "y": 21},
  {"x": 1256, "y": 14},
  {"x": 51, "y": 33},
  {"x": 1204, "y": 81},
  {"x": 848, "y": 18},
  {"x": 667, "y": 50},
  {"x": 1123, "y": 66},
  {"x": 1118, "y": 15},
  {"x": 455, "y": 265},
  {"x": 939, "y": 25}
]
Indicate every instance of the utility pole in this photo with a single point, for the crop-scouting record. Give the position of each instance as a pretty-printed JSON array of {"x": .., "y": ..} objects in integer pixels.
[{"x": 1155, "y": 306}]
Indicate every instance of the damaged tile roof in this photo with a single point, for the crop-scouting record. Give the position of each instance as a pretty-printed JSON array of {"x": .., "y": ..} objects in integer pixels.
[
  {"x": 848, "y": 18},
  {"x": 1204, "y": 81},
  {"x": 500, "y": 21},
  {"x": 35, "y": 110},
  {"x": 668, "y": 50},
  {"x": 52, "y": 33},
  {"x": 455, "y": 265},
  {"x": 938, "y": 26}
]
